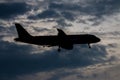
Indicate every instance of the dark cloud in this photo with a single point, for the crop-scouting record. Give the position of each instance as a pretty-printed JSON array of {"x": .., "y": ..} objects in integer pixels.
[
  {"x": 2, "y": 29},
  {"x": 95, "y": 7},
  {"x": 68, "y": 15},
  {"x": 64, "y": 7},
  {"x": 60, "y": 74},
  {"x": 11, "y": 10},
  {"x": 7, "y": 31},
  {"x": 71, "y": 11},
  {"x": 11, "y": 1},
  {"x": 103, "y": 7},
  {"x": 18, "y": 60},
  {"x": 54, "y": 11}
]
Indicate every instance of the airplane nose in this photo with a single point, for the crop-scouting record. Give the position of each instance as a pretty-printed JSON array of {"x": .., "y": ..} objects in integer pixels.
[{"x": 98, "y": 40}]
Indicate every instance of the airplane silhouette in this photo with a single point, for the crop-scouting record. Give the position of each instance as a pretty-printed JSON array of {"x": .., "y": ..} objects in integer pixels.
[{"x": 62, "y": 40}]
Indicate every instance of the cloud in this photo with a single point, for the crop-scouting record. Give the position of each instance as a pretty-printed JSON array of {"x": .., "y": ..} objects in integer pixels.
[
  {"x": 93, "y": 7},
  {"x": 11, "y": 10},
  {"x": 13, "y": 1},
  {"x": 17, "y": 59},
  {"x": 74, "y": 10},
  {"x": 46, "y": 14},
  {"x": 54, "y": 12},
  {"x": 104, "y": 7}
]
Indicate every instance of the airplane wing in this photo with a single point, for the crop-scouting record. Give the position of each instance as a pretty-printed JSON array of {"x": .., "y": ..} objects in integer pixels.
[{"x": 63, "y": 40}]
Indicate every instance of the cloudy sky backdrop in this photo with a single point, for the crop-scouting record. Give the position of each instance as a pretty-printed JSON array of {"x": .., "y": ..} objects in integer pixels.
[{"x": 19, "y": 61}]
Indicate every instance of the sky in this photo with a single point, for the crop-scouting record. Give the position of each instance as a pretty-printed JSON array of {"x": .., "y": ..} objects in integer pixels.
[{"x": 20, "y": 61}]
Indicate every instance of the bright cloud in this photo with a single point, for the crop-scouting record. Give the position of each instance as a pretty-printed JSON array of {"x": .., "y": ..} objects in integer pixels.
[{"x": 41, "y": 17}]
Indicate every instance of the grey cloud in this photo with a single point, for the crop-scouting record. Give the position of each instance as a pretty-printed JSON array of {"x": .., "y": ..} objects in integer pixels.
[
  {"x": 10, "y": 10},
  {"x": 104, "y": 7},
  {"x": 7, "y": 31},
  {"x": 46, "y": 14},
  {"x": 18, "y": 60},
  {"x": 10, "y": 1},
  {"x": 2, "y": 29},
  {"x": 60, "y": 74},
  {"x": 69, "y": 11},
  {"x": 64, "y": 7},
  {"x": 68, "y": 15},
  {"x": 54, "y": 12},
  {"x": 62, "y": 23},
  {"x": 94, "y": 7}
]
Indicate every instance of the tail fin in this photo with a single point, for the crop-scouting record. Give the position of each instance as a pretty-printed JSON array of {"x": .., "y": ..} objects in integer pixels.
[
  {"x": 61, "y": 32},
  {"x": 22, "y": 33}
]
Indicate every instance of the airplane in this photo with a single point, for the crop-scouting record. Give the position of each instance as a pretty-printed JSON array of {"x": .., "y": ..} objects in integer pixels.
[{"x": 62, "y": 40}]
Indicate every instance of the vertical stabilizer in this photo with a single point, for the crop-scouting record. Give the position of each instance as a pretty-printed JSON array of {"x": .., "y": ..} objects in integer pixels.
[
  {"x": 22, "y": 33},
  {"x": 61, "y": 32}
]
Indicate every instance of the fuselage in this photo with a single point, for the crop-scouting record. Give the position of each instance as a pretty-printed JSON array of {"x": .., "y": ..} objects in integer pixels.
[
  {"x": 55, "y": 40},
  {"x": 62, "y": 40}
]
